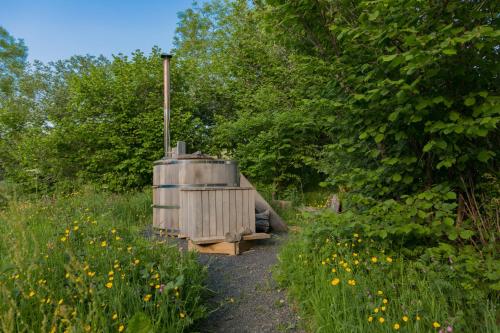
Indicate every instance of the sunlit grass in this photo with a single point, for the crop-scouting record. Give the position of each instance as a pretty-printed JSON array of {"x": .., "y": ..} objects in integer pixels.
[
  {"x": 82, "y": 263},
  {"x": 346, "y": 283}
]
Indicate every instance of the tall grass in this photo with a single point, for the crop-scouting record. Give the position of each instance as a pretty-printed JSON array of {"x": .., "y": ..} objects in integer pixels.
[
  {"x": 348, "y": 283},
  {"x": 82, "y": 263}
]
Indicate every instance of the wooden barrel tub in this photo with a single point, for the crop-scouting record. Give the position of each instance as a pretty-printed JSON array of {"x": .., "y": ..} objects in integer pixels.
[{"x": 170, "y": 175}]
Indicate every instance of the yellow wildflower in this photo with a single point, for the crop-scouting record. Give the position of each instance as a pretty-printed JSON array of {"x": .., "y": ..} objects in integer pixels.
[
  {"x": 334, "y": 255},
  {"x": 116, "y": 266},
  {"x": 375, "y": 310},
  {"x": 111, "y": 278},
  {"x": 182, "y": 315},
  {"x": 118, "y": 238},
  {"x": 356, "y": 262},
  {"x": 382, "y": 308},
  {"x": 385, "y": 301},
  {"x": 157, "y": 286},
  {"x": 109, "y": 285},
  {"x": 32, "y": 293},
  {"x": 323, "y": 263},
  {"x": 66, "y": 231},
  {"x": 356, "y": 235},
  {"x": 374, "y": 259},
  {"x": 91, "y": 274},
  {"x": 389, "y": 259},
  {"x": 352, "y": 282},
  {"x": 436, "y": 324},
  {"x": 380, "y": 292},
  {"x": 115, "y": 316},
  {"x": 396, "y": 326},
  {"x": 76, "y": 228},
  {"x": 147, "y": 297},
  {"x": 370, "y": 319},
  {"x": 381, "y": 320},
  {"x": 417, "y": 318},
  {"x": 354, "y": 254},
  {"x": 405, "y": 318},
  {"x": 67, "y": 275},
  {"x": 129, "y": 248},
  {"x": 348, "y": 269},
  {"x": 111, "y": 273},
  {"x": 61, "y": 301},
  {"x": 121, "y": 328},
  {"x": 63, "y": 239},
  {"x": 104, "y": 244},
  {"x": 334, "y": 270},
  {"x": 113, "y": 231},
  {"x": 359, "y": 240},
  {"x": 136, "y": 261},
  {"x": 335, "y": 281}
]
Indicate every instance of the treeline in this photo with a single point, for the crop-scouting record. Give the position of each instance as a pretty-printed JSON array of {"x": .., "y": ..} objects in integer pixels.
[{"x": 384, "y": 100}]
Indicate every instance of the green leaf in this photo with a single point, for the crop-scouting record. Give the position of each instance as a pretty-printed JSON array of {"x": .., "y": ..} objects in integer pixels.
[
  {"x": 139, "y": 323},
  {"x": 451, "y": 195},
  {"x": 452, "y": 235},
  {"x": 363, "y": 135},
  {"x": 448, "y": 221},
  {"x": 397, "y": 177},
  {"x": 379, "y": 137},
  {"x": 469, "y": 101},
  {"x": 393, "y": 116},
  {"x": 428, "y": 146},
  {"x": 485, "y": 155},
  {"x": 454, "y": 116},
  {"x": 387, "y": 58},
  {"x": 449, "y": 51},
  {"x": 373, "y": 16},
  {"x": 466, "y": 234}
]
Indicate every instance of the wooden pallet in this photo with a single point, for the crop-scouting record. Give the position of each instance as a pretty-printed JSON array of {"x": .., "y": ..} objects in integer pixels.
[{"x": 231, "y": 249}]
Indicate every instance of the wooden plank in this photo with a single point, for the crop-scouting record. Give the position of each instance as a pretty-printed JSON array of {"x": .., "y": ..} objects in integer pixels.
[
  {"x": 231, "y": 249},
  {"x": 212, "y": 240},
  {"x": 232, "y": 212},
  {"x": 212, "y": 213},
  {"x": 259, "y": 235}
]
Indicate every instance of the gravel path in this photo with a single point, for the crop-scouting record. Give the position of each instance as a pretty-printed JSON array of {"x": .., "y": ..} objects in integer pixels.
[{"x": 246, "y": 298}]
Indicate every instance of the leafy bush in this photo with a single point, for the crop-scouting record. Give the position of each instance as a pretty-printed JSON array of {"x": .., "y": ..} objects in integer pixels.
[{"x": 81, "y": 263}]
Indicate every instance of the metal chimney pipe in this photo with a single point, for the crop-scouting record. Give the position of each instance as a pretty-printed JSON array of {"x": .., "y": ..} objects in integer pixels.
[{"x": 166, "y": 102}]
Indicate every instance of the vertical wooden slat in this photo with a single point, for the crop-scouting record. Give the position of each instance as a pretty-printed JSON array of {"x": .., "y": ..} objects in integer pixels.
[
  {"x": 212, "y": 212},
  {"x": 225, "y": 211},
  {"x": 238, "y": 206},
  {"x": 196, "y": 222},
  {"x": 206, "y": 214},
  {"x": 244, "y": 209},
  {"x": 219, "y": 211}
]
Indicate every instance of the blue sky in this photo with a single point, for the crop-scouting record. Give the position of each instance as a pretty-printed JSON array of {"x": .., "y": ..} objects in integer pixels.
[{"x": 58, "y": 29}]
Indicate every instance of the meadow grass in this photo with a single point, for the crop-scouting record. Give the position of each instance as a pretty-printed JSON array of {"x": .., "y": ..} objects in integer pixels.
[
  {"x": 349, "y": 283},
  {"x": 82, "y": 263}
]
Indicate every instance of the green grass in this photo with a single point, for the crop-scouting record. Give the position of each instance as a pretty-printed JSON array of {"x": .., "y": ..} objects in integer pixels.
[
  {"x": 418, "y": 296},
  {"x": 82, "y": 263}
]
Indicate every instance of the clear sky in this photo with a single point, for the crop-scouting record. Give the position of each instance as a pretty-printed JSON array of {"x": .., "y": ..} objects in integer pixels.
[{"x": 58, "y": 29}]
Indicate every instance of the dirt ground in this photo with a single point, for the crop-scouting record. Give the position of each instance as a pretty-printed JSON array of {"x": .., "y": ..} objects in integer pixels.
[{"x": 246, "y": 299}]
